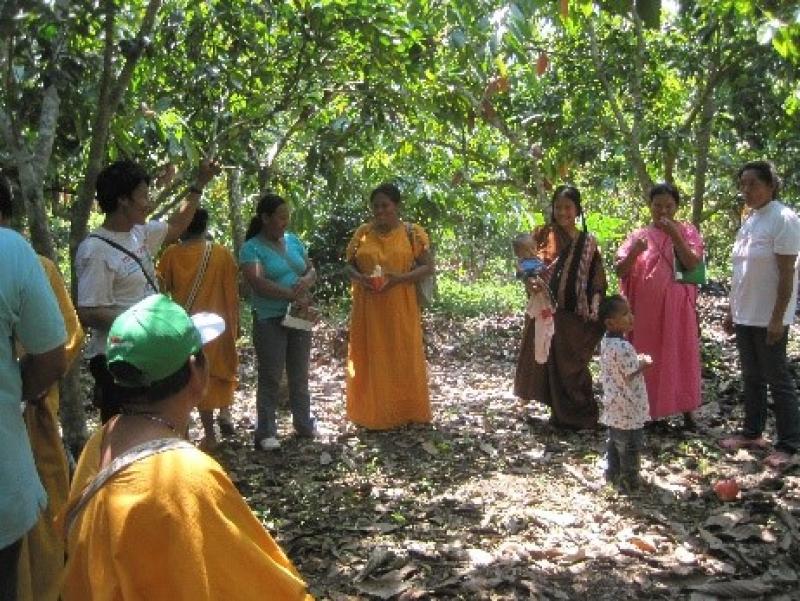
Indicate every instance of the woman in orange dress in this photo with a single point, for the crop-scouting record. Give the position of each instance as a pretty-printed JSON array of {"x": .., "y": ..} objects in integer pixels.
[
  {"x": 387, "y": 375},
  {"x": 214, "y": 290}
]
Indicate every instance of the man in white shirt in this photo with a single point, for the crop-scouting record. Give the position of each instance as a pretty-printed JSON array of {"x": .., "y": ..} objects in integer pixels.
[
  {"x": 114, "y": 264},
  {"x": 763, "y": 297}
]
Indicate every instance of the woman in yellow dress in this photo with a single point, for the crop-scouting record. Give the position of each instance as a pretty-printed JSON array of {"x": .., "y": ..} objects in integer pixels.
[
  {"x": 201, "y": 275},
  {"x": 387, "y": 376}
]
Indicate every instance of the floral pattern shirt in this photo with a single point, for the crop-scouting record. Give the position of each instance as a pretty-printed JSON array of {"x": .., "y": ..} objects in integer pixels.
[{"x": 624, "y": 400}]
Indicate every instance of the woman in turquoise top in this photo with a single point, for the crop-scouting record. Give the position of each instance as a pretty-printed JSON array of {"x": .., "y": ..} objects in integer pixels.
[{"x": 275, "y": 264}]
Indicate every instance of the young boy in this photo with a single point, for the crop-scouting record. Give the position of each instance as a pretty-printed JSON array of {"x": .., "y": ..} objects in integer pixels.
[{"x": 625, "y": 409}]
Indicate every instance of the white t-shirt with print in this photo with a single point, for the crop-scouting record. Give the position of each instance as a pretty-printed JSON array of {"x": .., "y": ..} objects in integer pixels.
[
  {"x": 774, "y": 229},
  {"x": 624, "y": 400},
  {"x": 107, "y": 277}
]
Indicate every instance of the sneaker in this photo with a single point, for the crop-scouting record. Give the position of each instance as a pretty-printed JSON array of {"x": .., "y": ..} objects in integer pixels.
[
  {"x": 779, "y": 460},
  {"x": 269, "y": 444},
  {"x": 740, "y": 441}
]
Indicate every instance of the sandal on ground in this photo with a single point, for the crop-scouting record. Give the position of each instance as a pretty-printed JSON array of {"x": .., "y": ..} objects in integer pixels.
[
  {"x": 740, "y": 441},
  {"x": 779, "y": 460}
]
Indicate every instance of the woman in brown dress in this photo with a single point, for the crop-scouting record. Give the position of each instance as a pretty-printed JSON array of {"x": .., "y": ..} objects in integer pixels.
[{"x": 577, "y": 281}]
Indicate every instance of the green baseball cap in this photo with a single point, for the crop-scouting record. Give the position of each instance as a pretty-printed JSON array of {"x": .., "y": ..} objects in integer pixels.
[{"x": 157, "y": 337}]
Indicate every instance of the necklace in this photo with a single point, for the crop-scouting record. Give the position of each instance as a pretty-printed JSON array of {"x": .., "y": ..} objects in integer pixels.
[{"x": 158, "y": 419}]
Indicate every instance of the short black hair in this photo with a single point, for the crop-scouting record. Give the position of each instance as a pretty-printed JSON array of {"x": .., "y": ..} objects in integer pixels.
[
  {"x": 391, "y": 191},
  {"x": 610, "y": 306},
  {"x": 665, "y": 188},
  {"x": 6, "y": 199},
  {"x": 765, "y": 171},
  {"x": 157, "y": 391},
  {"x": 118, "y": 179},
  {"x": 198, "y": 225}
]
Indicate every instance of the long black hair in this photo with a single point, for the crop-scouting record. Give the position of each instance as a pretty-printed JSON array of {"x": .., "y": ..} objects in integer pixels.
[
  {"x": 571, "y": 192},
  {"x": 267, "y": 205}
]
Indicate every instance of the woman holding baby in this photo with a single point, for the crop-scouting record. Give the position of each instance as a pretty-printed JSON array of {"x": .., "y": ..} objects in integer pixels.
[
  {"x": 666, "y": 316},
  {"x": 576, "y": 280},
  {"x": 387, "y": 375}
]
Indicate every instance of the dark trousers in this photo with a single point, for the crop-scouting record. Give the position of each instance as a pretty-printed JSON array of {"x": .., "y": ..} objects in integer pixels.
[
  {"x": 624, "y": 450},
  {"x": 108, "y": 396},
  {"x": 278, "y": 348},
  {"x": 766, "y": 366},
  {"x": 9, "y": 563}
]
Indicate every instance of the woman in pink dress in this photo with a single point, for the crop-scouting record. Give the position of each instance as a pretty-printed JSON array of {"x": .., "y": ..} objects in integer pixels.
[{"x": 666, "y": 315}]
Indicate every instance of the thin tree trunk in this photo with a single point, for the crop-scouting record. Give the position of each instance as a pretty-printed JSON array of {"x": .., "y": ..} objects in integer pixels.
[
  {"x": 630, "y": 132},
  {"x": 235, "y": 201},
  {"x": 111, "y": 91},
  {"x": 702, "y": 144},
  {"x": 72, "y": 414},
  {"x": 32, "y": 169}
]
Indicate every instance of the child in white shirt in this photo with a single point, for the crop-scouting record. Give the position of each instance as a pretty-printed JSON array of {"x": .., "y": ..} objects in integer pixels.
[{"x": 624, "y": 402}]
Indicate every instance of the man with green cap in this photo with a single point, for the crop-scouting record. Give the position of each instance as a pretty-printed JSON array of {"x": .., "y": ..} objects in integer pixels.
[{"x": 150, "y": 516}]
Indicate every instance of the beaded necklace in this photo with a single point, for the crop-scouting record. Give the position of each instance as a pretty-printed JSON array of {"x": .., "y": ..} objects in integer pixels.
[{"x": 158, "y": 419}]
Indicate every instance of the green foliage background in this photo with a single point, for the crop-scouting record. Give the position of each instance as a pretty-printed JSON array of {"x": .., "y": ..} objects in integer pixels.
[{"x": 476, "y": 109}]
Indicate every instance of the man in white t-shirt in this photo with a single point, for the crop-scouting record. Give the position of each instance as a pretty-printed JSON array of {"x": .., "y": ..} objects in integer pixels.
[
  {"x": 763, "y": 297},
  {"x": 114, "y": 264}
]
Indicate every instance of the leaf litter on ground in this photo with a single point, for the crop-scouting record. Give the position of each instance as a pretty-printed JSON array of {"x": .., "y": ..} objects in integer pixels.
[{"x": 491, "y": 502}]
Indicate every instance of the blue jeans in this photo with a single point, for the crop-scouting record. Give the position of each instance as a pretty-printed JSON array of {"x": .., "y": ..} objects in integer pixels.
[
  {"x": 279, "y": 348},
  {"x": 765, "y": 366},
  {"x": 624, "y": 456}
]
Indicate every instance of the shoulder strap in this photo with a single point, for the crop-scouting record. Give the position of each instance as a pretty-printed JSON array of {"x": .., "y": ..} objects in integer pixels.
[
  {"x": 198, "y": 278},
  {"x": 137, "y": 453},
  {"x": 122, "y": 249}
]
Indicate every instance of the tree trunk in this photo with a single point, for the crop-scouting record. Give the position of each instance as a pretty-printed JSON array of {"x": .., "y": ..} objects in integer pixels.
[
  {"x": 235, "y": 201},
  {"x": 73, "y": 415},
  {"x": 32, "y": 168},
  {"x": 702, "y": 144},
  {"x": 111, "y": 91}
]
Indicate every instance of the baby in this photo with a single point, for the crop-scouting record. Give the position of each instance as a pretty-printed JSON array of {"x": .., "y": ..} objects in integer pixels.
[
  {"x": 624, "y": 402},
  {"x": 528, "y": 264},
  {"x": 540, "y": 303}
]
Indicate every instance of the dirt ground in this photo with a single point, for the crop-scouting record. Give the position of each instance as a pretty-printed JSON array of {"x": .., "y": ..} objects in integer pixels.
[{"x": 490, "y": 502}]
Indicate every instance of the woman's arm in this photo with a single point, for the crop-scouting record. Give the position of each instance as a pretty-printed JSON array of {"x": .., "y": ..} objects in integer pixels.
[
  {"x": 254, "y": 276},
  {"x": 623, "y": 266},
  {"x": 685, "y": 254},
  {"x": 424, "y": 268},
  {"x": 775, "y": 329}
]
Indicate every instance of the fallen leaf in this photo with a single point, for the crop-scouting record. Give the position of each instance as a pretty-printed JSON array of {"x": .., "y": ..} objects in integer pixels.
[{"x": 643, "y": 544}]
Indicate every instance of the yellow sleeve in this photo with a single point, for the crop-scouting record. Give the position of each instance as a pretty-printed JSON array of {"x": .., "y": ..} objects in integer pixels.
[
  {"x": 71, "y": 322},
  {"x": 356, "y": 241},
  {"x": 422, "y": 242},
  {"x": 217, "y": 548}
]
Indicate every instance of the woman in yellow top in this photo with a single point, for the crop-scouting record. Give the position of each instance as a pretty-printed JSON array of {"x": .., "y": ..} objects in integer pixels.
[
  {"x": 150, "y": 517},
  {"x": 196, "y": 261},
  {"x": 41, "y": 559},
  {"x": 387, "y": 376}
]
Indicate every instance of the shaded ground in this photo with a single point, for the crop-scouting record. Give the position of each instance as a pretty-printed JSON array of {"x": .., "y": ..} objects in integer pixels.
[{"x": 492, "y": 503}]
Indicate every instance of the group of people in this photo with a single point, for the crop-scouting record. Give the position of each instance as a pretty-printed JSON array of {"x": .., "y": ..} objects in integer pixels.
[
  {"x": 650, "y": 365},
  {"x": 155, "y": 357}
]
